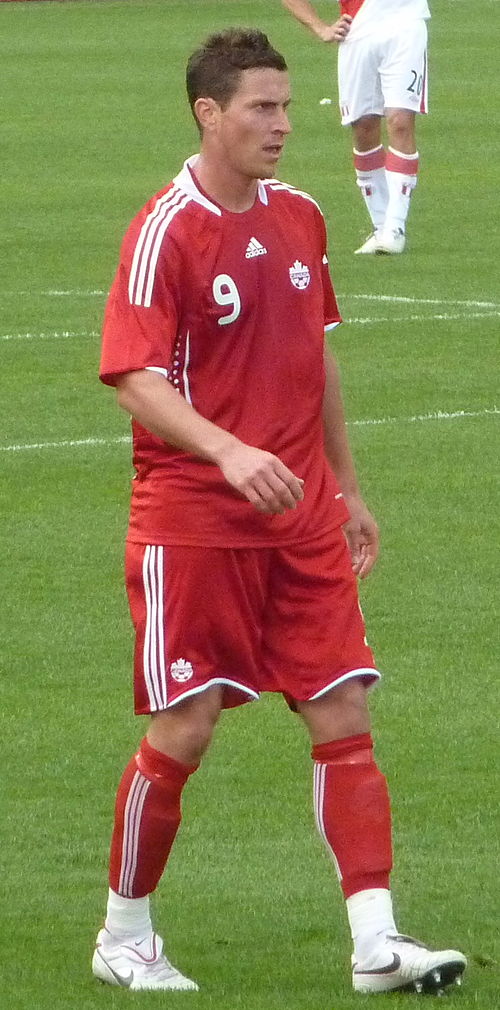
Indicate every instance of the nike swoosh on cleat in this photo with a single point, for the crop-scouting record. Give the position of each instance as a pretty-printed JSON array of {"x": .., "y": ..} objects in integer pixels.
[
  {"x": 147, "y": 959},
  {"x": 395, "y": 964},
  {"x": 125, "y": 982}
]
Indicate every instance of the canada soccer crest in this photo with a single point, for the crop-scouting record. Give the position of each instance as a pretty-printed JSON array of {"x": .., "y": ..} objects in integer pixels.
[
  {"x": 181, "y": 670},
  {"x": 299, "y": 275}
]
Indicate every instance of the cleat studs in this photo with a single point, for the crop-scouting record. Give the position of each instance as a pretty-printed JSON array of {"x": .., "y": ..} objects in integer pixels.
[
  {"x": 458, "y": 980},
  {"x": 436, "y": 976},
  {"x": 418, "y": 987},
  {"x": 439, "y": 992}
]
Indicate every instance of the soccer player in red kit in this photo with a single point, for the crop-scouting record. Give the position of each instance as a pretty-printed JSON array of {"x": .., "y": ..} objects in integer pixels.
[{"x": 247, "y": 529}]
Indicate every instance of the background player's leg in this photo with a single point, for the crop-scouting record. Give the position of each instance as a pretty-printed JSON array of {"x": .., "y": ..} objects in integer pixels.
[
  {"x": 401, "y": 174},
  {"x": 369, "y": 165},
  {"x": 353, "y": 815}
]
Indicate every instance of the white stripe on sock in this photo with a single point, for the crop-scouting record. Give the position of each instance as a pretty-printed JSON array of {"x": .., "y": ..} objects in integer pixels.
[
  {"x": 320, "y": 771},
  {"x": 131, "y": 829}
]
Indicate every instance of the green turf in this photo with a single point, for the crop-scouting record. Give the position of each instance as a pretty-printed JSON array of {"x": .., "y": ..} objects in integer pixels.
[{"x": 95, "y": 121}]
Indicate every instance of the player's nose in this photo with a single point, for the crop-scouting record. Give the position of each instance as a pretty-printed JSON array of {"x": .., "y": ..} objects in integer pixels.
[{"x": 283, "y": 124}]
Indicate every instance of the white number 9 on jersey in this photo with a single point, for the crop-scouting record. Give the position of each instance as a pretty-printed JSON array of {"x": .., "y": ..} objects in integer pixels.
[{"x": 226, "y": 293}]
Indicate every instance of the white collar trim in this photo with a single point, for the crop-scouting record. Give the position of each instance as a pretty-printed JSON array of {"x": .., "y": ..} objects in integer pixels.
[{"x": 185, "y": 181}]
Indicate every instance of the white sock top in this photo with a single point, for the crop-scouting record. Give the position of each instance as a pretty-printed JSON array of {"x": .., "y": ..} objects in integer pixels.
[
  {"x": 370, "y": 918},
  {"x": 128, "y": 917}
]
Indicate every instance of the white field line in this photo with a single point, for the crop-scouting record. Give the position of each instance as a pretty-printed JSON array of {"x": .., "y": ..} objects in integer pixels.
[
  {"x": 67, "y": 443},
  {"x": 437, "y": 415},
  {"x": 58, "y": 335},
  {"x": 413, "y": 318},
  {"x": 95, "y": 293},
  {"x": 55, "y": 293},
  {"x": 434, "y": 415},
  {"x": 98, "y": 292},
  {"x": 422, "y": 301}
]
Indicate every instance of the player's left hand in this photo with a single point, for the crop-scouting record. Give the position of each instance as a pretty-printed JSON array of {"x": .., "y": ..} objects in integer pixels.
[
  {"x": 338, "y": 31},
  {"x": 361, "y": 533}
]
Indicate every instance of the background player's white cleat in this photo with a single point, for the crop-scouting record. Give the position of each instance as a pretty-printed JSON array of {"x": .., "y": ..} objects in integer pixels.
[
  {"x": 369, "y": 248},
  {"x": 390, "y": 241},
  {"x": 136, "y": 964},
  {"x": 405, "y": 964}
]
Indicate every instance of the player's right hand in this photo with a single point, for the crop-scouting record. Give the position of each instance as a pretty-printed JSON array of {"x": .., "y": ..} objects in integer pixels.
[
  {"x": 338, "y": 31},
  {"x": 261, "y": 478}
]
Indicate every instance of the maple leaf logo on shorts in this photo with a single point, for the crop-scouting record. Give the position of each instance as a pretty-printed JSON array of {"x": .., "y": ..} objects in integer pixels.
[{"x": 181, "y": 670}]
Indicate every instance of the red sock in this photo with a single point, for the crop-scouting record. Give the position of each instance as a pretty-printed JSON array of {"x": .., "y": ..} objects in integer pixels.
[
  {"x": 147, "y": 816},
  {"x": 353, "y": 815}
]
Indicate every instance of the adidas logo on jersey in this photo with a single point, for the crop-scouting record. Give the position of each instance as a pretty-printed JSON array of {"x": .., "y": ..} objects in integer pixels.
[{"x": 254, "y": 248}]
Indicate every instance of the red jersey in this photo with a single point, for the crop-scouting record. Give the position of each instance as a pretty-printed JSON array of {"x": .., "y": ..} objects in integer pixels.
[{"x": 231, "y": 309}]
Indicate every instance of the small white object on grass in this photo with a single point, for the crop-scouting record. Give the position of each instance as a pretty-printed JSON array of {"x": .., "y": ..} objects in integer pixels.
[{"x": 325, "y": 101}]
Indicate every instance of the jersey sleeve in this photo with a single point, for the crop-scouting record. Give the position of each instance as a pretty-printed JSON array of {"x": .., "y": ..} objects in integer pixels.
[
  {"x": 331, "y": 310},
  {"x": 139, "y": 332}
]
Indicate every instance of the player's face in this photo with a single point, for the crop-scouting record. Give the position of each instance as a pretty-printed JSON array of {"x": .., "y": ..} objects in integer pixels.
[{"x": 253, "y": 126}]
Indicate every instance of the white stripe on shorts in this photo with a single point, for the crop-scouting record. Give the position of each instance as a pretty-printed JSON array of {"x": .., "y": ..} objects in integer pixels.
[
  {"x": 154, "y": 638},
  {"x": 131, "y": 828},
  {"x": 319, "y": 802}
]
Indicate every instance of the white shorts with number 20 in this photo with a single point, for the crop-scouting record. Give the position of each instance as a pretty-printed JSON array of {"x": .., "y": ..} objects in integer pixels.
[{"x": 386, "y": 69}]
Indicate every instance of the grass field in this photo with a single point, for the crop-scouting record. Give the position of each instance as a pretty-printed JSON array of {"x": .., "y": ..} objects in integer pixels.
[{"x": 95, "y": 121}]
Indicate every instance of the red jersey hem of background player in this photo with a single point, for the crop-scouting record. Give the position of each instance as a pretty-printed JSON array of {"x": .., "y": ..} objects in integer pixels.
[{"x": 231, "y": 309}]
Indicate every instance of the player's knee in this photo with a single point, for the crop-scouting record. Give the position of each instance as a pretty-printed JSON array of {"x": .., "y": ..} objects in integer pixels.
[
  {"x": 401, "y": 129},
  {"x": 350, "y": 703},
  {"x": 194, "y": 740},
  {"x": 185, "y": 731},
  {"x": 366, "y": 133},
  {"x": 340, "y": 713}
]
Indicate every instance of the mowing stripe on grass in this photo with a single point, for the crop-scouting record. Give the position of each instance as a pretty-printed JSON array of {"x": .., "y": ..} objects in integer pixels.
[
  {"x": 359, "y": 320},
  {"x": 435, "y": 415}
]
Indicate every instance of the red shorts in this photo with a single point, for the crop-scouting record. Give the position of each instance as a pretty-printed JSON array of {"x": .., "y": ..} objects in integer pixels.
[{"x": 283, "y": 619}]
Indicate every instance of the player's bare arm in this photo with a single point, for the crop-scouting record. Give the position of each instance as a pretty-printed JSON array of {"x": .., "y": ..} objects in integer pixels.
[
  {"x": 256, "y": 474},
  {"x": 361, "y": 531},
  {"x": 305, "y": 13}
]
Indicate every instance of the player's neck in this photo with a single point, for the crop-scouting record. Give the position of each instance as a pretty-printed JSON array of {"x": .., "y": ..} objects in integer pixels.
[{"x": 230, "y": 189}]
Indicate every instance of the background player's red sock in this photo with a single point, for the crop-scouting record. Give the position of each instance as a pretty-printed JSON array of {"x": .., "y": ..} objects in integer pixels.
[
  {"x": 147, "y": 816},
  {"x": 352, "y": 808}
]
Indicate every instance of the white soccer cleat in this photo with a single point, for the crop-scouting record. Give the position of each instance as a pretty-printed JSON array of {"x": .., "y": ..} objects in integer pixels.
[
  {"x": 136, "y": 964},
  {"x": 405, "y": 964},
  {"x": 389, "y": 242},
  {"x": 369, "y": 247}
]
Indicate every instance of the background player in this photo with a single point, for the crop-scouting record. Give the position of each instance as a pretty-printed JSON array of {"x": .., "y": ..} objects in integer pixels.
[
  {"x": 382, "y": 72},
  {"x": 247, "y": 528}
]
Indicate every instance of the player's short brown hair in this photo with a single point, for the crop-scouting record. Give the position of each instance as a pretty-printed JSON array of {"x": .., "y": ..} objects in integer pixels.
[{"x": 215, "y": 68}]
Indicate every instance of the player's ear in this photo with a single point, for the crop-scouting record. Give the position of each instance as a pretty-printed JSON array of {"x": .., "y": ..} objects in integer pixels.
[{"x": 207, "y": 112}]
